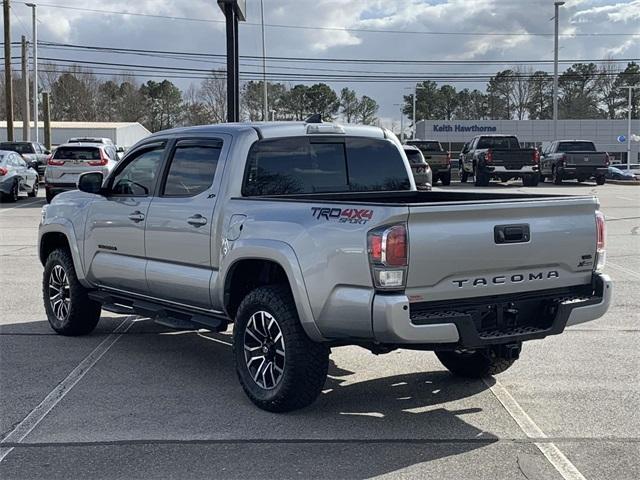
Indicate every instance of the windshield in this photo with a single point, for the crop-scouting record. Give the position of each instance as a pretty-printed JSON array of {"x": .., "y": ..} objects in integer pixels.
[
  {"x": 576, "y": 147},
  {"x": 17, "y": 147},
  {"x": 499, "y": 143}
]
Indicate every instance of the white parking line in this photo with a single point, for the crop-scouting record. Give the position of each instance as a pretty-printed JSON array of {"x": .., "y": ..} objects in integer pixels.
[
  {"x": 24, "y": 428},
  {"x": 552, "y": 453},
  {"x": 624, "y": 269},
  {"x": 22, "y": 205},
  {"x": 627, "y": 198}
]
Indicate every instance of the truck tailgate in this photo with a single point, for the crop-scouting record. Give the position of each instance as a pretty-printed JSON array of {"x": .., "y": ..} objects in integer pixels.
[
  {"x": 512, "y": 159},
  {"x": 586, "y": 159},
  {"x": 455, "y": 251}
]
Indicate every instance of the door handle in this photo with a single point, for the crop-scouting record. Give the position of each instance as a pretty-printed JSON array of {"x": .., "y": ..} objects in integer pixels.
[
  {"x": 197, "y": 220},
  {"x": 136, "y": 216}
]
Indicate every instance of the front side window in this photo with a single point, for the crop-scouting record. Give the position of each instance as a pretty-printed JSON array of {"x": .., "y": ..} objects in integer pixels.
[
  {"x": 138, "y": 176},
  {"x": 192, "y": 168},
  {"x": 296, "y": 165}
]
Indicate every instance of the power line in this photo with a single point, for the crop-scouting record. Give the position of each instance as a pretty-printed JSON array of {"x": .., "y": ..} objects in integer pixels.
[{"x": 339, "y": 29}]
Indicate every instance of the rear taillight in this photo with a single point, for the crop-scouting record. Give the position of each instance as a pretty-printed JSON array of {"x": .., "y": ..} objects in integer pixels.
[
  {"x": 53, "y": 162},
  {"x": 388, "y": 255},
  {"x": 607, "y": 159},
  {"x": 100, "y": 163},
  {"x": 536, "y": 157},
  {"x": 448, "y": 158},
  {"x": 563, "y": 161},
  {"x": 488, "y": 158},
  {"x": 601, "y": 241},
  {"x": 3, "y": 171}
]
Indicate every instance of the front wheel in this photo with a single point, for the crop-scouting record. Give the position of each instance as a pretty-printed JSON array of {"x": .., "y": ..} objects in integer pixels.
[
  {"x": 279, "y": 367},
  {"x": 476, "y": 364},
  {"x": 34, "y": 190},
  {"x": 556, "y": 175},
  {"x": 12, "y": 196},
  {"x": 69, "y": 309},
  {"x": 464, "y": 176},
  {"x": 445, "y": 178}
]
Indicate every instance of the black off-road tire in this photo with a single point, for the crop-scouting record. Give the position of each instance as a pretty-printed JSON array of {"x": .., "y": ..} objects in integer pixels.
[
  {"x": 49, "y": 195},
  {"x": 481, "y": 179},
  {"x": 34, "y": 191},
  {"x": 478, "y": 364},
  {"x": 601, "y": 180},
  {"x": 306, "y": 362},
  {"x": 445, "y": 178},
  {"x": 531, "y": 180},
  {"x": 83, "y": 313},
  {"x": 464, "y": 176}
]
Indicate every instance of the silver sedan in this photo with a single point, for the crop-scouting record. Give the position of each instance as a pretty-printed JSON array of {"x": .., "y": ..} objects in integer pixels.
[
  {"x": 421, "y": 170},
  {"x": 16, "y": 177}
]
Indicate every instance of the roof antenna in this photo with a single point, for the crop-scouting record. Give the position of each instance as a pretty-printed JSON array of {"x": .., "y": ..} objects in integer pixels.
[{"x": 314, "y": 118}]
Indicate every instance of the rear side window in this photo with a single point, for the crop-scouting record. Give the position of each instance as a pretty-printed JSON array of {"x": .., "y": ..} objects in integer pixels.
[
  {"x": 576, "y": 147},
  {"x": 296, "y": 165},
  {"x": 499, "y": 143},
  {"x": 77, "y": 153},
  {"x": 192, "y": 168}
]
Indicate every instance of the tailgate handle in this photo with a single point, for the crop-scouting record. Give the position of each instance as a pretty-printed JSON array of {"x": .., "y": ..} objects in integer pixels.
[{"x": 511, "y": 233}]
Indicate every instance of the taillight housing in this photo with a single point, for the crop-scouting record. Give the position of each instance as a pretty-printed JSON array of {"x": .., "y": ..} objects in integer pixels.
[
  {"x": 388, "y": 250},
  {"x": 100, "y": 163},
  {"x": 607, "y": 159},
  {"x": 53, "y": 162},
  {"x": 536, "y": 156},
  {"x": 3, "y": 171},
  {"x": 563, "y": 161},
  {"x": 448, "y": 158},
  {"x": 488, "y": 158},
  {"x": 601, "y": 242}
]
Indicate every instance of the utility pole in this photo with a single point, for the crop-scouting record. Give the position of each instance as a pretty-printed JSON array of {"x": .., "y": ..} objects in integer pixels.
[
  {"x": 47, "y": 120},
  {"x": 26, "y": 130},
  {"x": 557, "y": 6},
  {"x": 630, "y": 88},
  {"x": 234, "y": 11},
  {"x": 33, "y": 7},
  {"x": 8, "y": 80},
  {"x": 401, "y": 105},
  {"x": 265, "y": 106}
]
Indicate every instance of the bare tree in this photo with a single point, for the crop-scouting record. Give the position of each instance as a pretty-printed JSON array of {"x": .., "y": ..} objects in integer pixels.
[
  {"x": 213, "y": 95},
  {"x": 520, "y": 91}
]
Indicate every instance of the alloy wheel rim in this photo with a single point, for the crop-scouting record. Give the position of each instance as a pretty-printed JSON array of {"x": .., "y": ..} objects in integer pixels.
[
  {"x": 264, "y": 350},
  {"x": 59, "y": 293}
]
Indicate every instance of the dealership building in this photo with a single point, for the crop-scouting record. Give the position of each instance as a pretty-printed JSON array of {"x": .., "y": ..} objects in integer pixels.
[{"x": 453, "y": 134}]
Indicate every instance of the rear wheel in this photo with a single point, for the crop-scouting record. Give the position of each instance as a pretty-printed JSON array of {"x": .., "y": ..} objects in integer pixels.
[
  {"x": 12, "y": 196},
  {"x": 463, "y": 176},
  {"x": 556, "y": 175},
  {"x": 531, "y": 180},
  {"x": 279, "y": 367},
  {"x": 475, "y": 364},
  {"x": 49, "y": 195},
  {"x": 69, "y": 309},
  {"x": 481, "y": 179},
  {"x": 445, "y": 178},
  {"x": 601, "y": 180}
]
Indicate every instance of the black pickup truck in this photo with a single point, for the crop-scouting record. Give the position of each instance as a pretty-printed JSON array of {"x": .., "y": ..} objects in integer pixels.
[
  {"x": 499, "y": 157},
  {"x": 568, "y": 159}
]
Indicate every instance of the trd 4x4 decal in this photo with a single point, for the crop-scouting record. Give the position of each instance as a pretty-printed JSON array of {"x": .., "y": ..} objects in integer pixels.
[{"x": 359, "y": 216}]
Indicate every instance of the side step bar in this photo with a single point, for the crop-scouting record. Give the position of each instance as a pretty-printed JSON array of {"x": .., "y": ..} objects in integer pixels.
[{"x": 166, "y": 315}]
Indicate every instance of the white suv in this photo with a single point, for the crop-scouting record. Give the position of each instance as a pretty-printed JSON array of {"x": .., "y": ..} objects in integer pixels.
[{"x": 71, "y": 159}]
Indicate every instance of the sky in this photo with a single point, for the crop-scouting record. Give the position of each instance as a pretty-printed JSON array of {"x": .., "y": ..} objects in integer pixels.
[{"x": 339, "y": 32}]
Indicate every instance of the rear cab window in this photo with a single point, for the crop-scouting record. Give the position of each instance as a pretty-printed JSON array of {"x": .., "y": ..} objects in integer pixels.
[
  {"x": 499, "y": 143},
  {"x": 287, "y": 166},
  {"x": 576, "y": 147},
  {"x": 427, "y": 146},
  {"x": 17, "y": 147}
]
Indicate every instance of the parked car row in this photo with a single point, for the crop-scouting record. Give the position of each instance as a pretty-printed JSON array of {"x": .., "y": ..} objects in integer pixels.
[{"x": 16, "y": 176}]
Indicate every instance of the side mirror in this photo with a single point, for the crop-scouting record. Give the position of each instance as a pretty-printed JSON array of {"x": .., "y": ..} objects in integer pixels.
[
  {"x": 90, "y": 182},
  {"x": 120, "y": 149},
  {"x": 47, "y": 152},
  {"x": 33, "y": 164}
]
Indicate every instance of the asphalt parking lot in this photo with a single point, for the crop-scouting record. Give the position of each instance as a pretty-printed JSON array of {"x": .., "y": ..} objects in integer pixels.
[{"x": 135, "y": 400}]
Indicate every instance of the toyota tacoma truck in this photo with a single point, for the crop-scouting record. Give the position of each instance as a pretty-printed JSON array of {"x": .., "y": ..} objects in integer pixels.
[
  {"x": 499, "y": 157},
  {"x": 310, "y": 236},
  {"x": 437, "y": 157},
  {"x": 573, "y": 159}
]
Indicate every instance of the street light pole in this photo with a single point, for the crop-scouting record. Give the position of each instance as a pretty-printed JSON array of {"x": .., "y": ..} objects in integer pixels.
[
  {"x": 265, "y": 106},
  {"x": 34, "y": 19},
  {"x": 630, "y": 88},
  {"x": 555, "y": 70}
]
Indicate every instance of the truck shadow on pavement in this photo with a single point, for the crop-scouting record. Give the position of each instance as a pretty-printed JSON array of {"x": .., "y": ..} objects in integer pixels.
[{"x": 356, "y": 429}]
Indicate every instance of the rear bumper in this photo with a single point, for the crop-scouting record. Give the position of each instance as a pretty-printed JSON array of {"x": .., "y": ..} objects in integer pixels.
[
  {"x": 571, "y": 171},
  {"x": 475, "y": 323},
  {"x": 525, "y": 170},
  {"x": 59, "y": 187}
]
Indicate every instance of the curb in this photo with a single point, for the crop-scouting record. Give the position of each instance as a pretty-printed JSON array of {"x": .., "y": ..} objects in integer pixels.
[{"x": 624, "y": 182}]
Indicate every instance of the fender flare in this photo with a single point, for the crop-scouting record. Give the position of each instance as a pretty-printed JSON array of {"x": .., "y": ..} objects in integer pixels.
[
  {"x": 283, "y": 254},
  {"x": 64, "y": 226}
]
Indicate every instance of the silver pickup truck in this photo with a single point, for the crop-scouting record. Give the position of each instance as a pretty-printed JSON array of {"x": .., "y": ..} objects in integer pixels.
[{"x": 313, "y": 236}]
